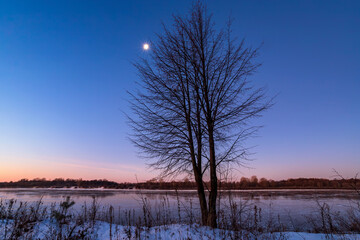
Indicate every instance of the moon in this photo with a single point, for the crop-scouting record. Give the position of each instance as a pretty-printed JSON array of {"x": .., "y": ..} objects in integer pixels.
[{"x": 146, "y": 46}]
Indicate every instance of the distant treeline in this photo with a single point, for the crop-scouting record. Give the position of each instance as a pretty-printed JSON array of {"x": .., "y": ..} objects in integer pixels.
[
  {"x": 244, "y": 183},
  {"x": 60, "y": 183}
]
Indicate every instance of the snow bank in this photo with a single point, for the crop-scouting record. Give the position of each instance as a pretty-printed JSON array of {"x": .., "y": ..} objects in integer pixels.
[
  {"x": 102, "y": 231},
  {"x": 185, "y": 232}
]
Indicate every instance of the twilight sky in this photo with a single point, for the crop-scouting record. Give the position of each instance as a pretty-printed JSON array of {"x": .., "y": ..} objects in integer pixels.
[{"x": 65, "y": 67}]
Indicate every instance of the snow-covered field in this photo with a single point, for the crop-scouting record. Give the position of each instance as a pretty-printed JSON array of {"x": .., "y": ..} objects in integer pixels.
[
  {"x": 103, "y": 231},
  {"x": 185, "y": 232}
]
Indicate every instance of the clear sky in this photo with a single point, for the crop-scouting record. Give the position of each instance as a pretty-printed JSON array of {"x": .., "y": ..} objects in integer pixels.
[{"x": 65, "y": 67}]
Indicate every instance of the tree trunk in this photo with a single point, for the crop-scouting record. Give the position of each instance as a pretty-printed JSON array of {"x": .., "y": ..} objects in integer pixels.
[
  {"x": 212, "y": 217},
  {"x": 201, "y": 196}
]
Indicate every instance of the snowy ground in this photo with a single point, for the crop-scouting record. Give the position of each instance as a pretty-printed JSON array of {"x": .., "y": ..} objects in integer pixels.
[
  {"x": 104, "y": 231},
  {"x": 101, "y": 231},
  {"x": 185, "y": 232}
]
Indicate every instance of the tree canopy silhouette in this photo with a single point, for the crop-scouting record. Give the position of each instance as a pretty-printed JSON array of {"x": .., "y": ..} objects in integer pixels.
[{"x": 195, "y": 103}]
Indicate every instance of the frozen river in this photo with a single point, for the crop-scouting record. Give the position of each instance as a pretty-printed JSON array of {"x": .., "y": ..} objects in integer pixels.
[{"x": 288, "y": 205}]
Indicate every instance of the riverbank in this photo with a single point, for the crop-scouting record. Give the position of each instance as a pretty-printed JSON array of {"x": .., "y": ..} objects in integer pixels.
[
  {"x": 156, "y": 184},
  {"x": 104, "y": 231},
  {"x": 161, "y": 220}
]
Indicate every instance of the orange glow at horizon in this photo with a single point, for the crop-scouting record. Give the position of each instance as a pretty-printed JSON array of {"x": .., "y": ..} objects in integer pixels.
[
  {"x": 30, "y": 169},
  {"x": 15, "y": 169}
]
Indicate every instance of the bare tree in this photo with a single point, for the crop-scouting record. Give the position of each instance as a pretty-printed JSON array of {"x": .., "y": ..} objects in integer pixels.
[{"x": 193, "y": 112}]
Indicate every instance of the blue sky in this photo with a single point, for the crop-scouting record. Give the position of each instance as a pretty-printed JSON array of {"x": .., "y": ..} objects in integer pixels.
[{"x": 65, "y": 67}]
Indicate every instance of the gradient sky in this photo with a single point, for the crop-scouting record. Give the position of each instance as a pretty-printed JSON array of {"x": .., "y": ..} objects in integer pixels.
[{"x": 65, "y": 67}]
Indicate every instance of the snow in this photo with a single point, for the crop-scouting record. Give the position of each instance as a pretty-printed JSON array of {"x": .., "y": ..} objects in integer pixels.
[
  {"x": 101, "y": 231},
  {"x": 320, "y": 236},
  {"x": 181, "y": 231}
]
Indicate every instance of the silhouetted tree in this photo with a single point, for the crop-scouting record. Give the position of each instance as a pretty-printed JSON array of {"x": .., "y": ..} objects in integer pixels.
[{"x": 193, "y": 111}]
